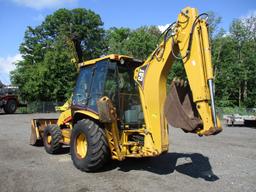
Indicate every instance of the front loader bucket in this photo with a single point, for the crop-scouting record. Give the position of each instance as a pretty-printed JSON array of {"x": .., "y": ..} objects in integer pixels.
[
  {"x": 179, "y": 109},
  {"x": 37, "y": 129},
  {"x": 35, "y": 136}
]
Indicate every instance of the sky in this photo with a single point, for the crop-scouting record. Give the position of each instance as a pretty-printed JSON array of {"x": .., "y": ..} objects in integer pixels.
[{"x": 16, "y": 15}]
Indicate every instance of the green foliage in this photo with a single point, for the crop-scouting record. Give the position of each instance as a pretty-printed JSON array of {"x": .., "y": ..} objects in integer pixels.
[
  {"x": 138, "y": 43},
  {"x": 234, "y": 59},
  {"x": 142, "y": 42},
  {"x": 213, "y": 21},
  {"x": 116, "y": 39},
  {"x": 46, "y": 73},
  {"x": 235, "y": 110},
  {"x": 177, "y": 71}
]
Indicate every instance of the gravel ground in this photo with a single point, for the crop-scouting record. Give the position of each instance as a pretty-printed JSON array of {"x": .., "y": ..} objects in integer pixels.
[{"x": 226, "y": 162}]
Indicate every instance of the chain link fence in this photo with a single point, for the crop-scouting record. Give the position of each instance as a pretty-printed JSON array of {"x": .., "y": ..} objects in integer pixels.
[
  {"x": 49, "y": 107},
  {"x": 236, "y": 111},
  {"x": 39, "y": 107}
]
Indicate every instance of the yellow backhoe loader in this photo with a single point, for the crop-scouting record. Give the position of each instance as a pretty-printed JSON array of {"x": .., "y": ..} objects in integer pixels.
[{"x": 120, "y": 106}]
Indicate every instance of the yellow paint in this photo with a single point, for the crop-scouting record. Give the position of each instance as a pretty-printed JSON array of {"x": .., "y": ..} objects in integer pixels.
[
  {"x": 111, "y": 57},
  {"x": 64, "y": 116},
  {"x": 113, "y": 137},
  {"x": 49, "y": 139},
  {"x": 66, "y": 134},
  {"x": 36, "y": 130},
  {"x": 81, "y": 145},
  {"x": 198, "y": 68},
  {"x": 87, "y": 113},
  {"x": 64, "y": 107}
]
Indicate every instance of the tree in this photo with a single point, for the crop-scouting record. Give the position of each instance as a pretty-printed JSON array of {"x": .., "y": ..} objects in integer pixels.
[
  {"x": 213, "y": 21},
  {"x": 226, "y": 76},
  {"x": 138, "y": 43},
  {"x": 80, "y": 28},
  {"x": 142, "y": 42},
  {"x": 243, "y": 34},
  {"x": 116, "y": 39},
  {"x": 46, "y": 73},
  {"x": 234, "y": 59}
]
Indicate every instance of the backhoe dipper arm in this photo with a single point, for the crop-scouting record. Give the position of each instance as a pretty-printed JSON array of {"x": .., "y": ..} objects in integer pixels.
[{"x": 189, "y": 37}]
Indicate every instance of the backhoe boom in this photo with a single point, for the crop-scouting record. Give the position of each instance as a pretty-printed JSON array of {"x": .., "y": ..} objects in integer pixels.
[{"x": 189, "y": 37}]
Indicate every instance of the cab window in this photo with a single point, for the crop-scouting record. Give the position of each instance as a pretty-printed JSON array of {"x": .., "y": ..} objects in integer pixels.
[{"x": 82, "y": 89}]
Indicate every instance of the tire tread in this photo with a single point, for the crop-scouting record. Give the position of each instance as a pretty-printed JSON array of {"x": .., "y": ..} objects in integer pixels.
[
  {"x": 56, "y": 135},
  {"x": 97, "y": 152}
]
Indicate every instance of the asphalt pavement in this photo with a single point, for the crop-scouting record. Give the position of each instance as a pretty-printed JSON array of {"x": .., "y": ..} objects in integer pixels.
[{"x": 225, "y": 162}]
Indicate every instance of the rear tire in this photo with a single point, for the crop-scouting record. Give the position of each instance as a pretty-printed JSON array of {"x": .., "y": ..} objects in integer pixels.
[
  {"x": 52, "y": 137},
  {"x": 10, "y": 106},
  {"x": 89, "y": 147}
]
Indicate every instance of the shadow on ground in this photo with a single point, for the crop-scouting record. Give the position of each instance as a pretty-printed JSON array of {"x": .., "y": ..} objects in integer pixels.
[{"x": 195, "y": 165}]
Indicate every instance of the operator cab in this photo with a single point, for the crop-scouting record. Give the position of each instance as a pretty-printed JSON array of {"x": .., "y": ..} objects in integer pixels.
[{"x": 110, "y": 76}]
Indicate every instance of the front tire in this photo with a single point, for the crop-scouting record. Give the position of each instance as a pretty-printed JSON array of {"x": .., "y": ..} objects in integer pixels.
[
  {"x": 10, "y": 106},
  {"x": 89, "y": 148},
  {"x": 52, "y": 137}
]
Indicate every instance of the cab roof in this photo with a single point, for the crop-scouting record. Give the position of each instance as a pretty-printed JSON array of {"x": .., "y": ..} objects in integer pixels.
[{"x": 115, "y": 57}]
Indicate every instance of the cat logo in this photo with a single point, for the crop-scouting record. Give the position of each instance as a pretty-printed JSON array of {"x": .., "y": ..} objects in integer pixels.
[{"x": 141, "y": 75}]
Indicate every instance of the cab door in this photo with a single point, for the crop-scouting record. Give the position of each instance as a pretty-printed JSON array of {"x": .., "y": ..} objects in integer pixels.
[{"x": 83, "y": 85}]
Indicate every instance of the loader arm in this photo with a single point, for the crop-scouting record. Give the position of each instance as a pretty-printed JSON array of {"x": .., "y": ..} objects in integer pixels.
[{"x": 188, "y": 36}]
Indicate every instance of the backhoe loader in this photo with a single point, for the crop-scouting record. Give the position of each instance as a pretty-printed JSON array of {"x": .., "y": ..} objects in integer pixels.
[{"x": 120, "y": 108}]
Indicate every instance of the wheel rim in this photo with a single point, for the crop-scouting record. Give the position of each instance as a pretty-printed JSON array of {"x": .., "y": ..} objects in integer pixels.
[
  {"x": 81, "y": 145},
  {"x": 13, "y": 107},
  {"x": 49, "y": 139}
]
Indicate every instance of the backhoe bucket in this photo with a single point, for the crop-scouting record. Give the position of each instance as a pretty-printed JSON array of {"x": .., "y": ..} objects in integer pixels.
[{"x": 179, "y": 109}]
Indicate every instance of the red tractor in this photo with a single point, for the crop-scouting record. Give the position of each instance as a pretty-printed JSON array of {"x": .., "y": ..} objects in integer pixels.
[{"x": 8, "y": 98}]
